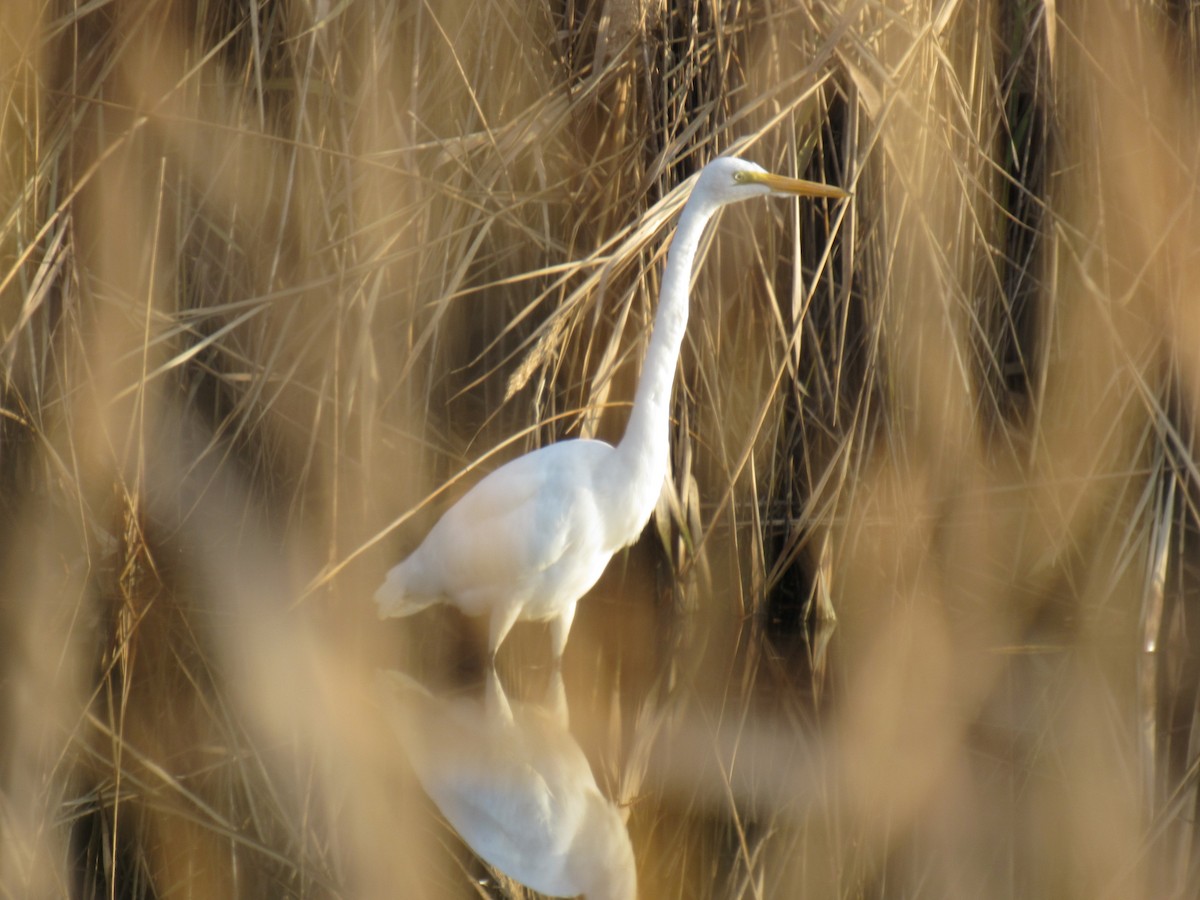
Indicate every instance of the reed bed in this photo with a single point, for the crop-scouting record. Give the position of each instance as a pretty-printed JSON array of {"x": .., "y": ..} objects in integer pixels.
[{"x": 279, "y": 280}]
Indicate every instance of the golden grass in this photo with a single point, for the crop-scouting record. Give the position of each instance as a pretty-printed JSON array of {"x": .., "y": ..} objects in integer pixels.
[{"x": 278, "y": 280}]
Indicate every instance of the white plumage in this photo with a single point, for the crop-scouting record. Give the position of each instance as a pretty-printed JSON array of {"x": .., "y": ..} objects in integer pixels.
[
  {"x": 516, "y": 786},
  {"x": 532, "y": 537}
]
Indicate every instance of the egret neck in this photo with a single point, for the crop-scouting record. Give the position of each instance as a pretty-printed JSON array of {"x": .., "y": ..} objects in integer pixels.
[{"x": 637, "y": 470}]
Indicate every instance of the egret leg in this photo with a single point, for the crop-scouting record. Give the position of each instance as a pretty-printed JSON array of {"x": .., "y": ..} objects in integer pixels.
[
  {"x": 559, "y": 629},
  {"x": 556, "y": 699},
  {"x": 495, "y": 700},
  {"x": 501, "y": 622}
]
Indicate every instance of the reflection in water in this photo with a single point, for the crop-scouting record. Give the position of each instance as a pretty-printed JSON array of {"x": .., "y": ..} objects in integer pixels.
[{"x": 516, "y": 786}]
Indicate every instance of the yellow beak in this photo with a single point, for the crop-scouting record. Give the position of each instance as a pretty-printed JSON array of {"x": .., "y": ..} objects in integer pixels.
[{"x": 798, "y": 186}]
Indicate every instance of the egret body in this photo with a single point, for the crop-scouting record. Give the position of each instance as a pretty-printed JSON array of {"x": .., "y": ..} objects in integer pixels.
[{"x": 531, "y": 538}]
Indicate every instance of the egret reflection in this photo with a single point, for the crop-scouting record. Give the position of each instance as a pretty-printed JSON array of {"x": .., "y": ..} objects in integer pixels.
[{"x": 516, "y": 786}]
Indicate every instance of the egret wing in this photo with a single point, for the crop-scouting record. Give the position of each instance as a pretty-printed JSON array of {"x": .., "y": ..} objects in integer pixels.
[
  {"x": 504, "y": 811},
  {"x": 471, "y": 761},
  {"x": 516, "y": 522}
]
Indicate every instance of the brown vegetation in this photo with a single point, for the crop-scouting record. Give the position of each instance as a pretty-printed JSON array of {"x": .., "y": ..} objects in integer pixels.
[{"x": 279, "y": 279}]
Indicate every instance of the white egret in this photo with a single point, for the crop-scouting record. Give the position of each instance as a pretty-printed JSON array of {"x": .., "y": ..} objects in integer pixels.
[
  {"x": 531, "y": 538},
  {"x": 516, "y": 786}
]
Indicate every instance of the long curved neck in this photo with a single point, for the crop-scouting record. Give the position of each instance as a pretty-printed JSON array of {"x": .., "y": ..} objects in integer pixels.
[{"x": 642, "y": 454}]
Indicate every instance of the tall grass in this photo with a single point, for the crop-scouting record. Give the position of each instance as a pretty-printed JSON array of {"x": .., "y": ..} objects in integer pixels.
[{"x": 279, "y": 280}]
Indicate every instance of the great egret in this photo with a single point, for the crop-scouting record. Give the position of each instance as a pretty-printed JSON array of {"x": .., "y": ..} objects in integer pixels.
[
  {"x": 532, "y": 537},
  {"x": 516, "y": 786}
]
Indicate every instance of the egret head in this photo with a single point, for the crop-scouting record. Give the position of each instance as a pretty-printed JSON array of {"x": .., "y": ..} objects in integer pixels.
[{"x": 727, "y": 179}]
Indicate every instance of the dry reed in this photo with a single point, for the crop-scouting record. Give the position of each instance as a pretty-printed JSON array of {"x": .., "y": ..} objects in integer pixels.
[{"x": 278, "y": 280}]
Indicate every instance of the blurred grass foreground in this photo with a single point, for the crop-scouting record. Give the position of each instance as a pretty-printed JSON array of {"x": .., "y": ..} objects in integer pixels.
[{"x": 281, "y": 278}]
